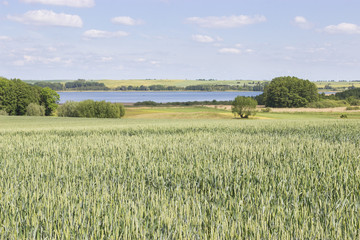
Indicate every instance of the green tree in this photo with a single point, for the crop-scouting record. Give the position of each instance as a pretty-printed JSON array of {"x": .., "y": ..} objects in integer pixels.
[
  {"x": 244, "y": 106},
  {"x": 49, "y": 99},
  {"x": 290, "y": 92},
  {"x": 16, "y": 95}
]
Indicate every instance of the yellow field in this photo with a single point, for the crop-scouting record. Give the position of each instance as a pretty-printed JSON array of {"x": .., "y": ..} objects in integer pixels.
[
  {"x": 339, "y": 86},
  {"x": 171, "y": 82}
]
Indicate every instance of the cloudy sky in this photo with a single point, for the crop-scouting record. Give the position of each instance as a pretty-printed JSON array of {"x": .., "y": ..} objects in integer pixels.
[{"x": 180, "y": 39}]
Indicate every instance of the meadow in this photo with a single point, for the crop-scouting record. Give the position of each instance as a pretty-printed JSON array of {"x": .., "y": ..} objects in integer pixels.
[{"x": 74, "y": 178}]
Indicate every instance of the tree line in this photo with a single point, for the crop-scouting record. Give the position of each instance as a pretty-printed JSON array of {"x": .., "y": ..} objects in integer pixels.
[
  {"x": 20, "y": 98},
  {"x": 292, "y": 92},
  {"x": 78, "y": 85},
  {"x": 83, "y": 85},
  {"x": 16, "y": 96}
]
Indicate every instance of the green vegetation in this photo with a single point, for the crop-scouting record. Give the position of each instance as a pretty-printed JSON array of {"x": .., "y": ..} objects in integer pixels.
[
  {"x": 244, "y": 106},
  {"x": 81, "y": 85},
  {"x": 327, "y": 103},
  {"x": 91, "y": 109},
  {"x": 290, "y": 92},
  {"x": 353, "y": 108},
  {"x": 34, "y": 109},
  {"x": 16, "y": 95},
  {"x": 76, "y": 178}
]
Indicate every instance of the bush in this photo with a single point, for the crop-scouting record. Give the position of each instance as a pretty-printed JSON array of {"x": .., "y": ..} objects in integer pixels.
[
  {"x": 327, "y": 103},
  {"x": 68, "y": 109},
  {"x": 266, "y": 109},
  {"x": 353, "y": 108},
  {"x": 353, "y": 101},
  {"x": 3, "y": 113},
  {"x": 343, "y": 116},
  {"x": 34, "y": 109},
  {"x": 92, "y": 109}
]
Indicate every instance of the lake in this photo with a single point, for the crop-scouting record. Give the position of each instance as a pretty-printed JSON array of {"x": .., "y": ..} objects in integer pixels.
[{"x": 160, "y": 97}]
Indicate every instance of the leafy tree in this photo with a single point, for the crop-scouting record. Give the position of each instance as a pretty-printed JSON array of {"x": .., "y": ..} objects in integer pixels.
[
  {"x": 244, "y": 106},
  {"x": 355, "y": 93},
  {"x": 49, "y": 99},
  {"x": 290, "y": 92},
  {"x": 16, "y": 95}
]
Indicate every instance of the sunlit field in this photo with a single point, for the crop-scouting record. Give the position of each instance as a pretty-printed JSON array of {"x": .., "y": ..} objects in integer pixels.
[{"x": 73, "y": 178}]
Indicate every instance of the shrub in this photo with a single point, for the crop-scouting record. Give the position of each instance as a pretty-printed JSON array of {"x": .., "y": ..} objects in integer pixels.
[
  {"x": 3, "y": 113},
  {"x": 327, "y": 103},
  {"x": 92, "y": 109},
  {"x": 343, "y": 116},
  {"x": 266, "y": 109},
  {"x": 34, "y": 109},
  {"x": 353, "y": 108},
  {"x": 353, "y": 101},
  {"x": 68, "y": 109}
]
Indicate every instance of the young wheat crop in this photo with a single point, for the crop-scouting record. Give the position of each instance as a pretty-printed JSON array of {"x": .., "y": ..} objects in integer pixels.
[{"x": 221, "y": 179}]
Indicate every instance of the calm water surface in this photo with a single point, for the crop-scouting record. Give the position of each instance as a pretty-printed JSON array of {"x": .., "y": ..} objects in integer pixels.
[{"x": 160, "y": 97}]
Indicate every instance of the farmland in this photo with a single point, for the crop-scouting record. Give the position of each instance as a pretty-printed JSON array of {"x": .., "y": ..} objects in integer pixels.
[
  {"x": 66, "y": 178},
  {"x": 327, "y": 86}
]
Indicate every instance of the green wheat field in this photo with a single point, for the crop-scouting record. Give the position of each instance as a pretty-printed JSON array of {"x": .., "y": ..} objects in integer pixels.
[{"x": 64, "y": 178}]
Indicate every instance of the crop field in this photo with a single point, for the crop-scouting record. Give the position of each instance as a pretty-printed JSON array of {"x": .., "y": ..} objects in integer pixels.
[
  {"x": 174, "y": 82},
  {"x": 64, "y": 178}
]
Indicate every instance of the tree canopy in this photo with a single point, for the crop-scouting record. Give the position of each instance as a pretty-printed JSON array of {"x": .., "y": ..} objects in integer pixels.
[
  {"x": 16, "y": 95},
  {"x": 290, "y": 92},
  {"x": 244, "y": 106}
]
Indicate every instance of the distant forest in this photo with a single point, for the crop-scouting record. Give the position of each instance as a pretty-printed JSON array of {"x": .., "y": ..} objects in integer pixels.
[{"x": 83, "y": 85}]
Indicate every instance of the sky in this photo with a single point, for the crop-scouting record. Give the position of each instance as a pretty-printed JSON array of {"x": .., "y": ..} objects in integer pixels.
[{"x": 180, "y": 39}]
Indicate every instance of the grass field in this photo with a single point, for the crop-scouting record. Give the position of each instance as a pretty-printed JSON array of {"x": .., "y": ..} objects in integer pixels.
[
  {"x": 69, "y": 178},
  {"x": 224, "y": 112}
]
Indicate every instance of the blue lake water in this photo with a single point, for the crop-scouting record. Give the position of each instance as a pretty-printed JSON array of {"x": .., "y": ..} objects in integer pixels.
[{"x": 160, "y": 97}]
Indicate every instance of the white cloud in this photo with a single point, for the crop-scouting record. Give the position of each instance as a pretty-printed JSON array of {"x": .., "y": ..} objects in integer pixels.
[
  {"x": 106, "y": 59},
  {"x": 343, "y": 28},
  {"x": 93, "y": 33},
  {"x": 203, "y": 38},
  {"x": 302, "y": 22},
  {"x": 5, "y": 3},
  {"x": 43, "y": 60},
  {"x": 230, "y": 50},
  {"x": 69, "y": 3},
  {"x": 48, "y": 18},
  {"x": 5, "y": 38},
  {"x": 140, "y": 60},
  {"x": 125, "y": 20},
  {"x": 226, "y": 21}
]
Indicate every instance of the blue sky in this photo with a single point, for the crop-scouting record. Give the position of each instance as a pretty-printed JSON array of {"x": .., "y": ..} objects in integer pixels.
[{"x": 180, "y": 39}]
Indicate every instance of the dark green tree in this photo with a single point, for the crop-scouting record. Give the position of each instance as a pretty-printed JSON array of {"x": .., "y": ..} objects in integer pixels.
[
  {"x": 16, "y": 95},
  {"x": 290, "y": 92},
  {"x": 244, "y": 106}
]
